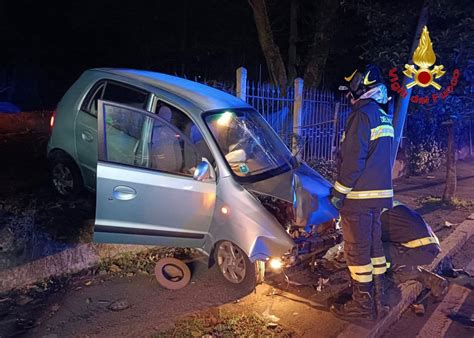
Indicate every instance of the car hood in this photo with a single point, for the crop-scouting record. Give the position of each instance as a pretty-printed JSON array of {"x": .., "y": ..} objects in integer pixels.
[{"x": 303, "y": 187}]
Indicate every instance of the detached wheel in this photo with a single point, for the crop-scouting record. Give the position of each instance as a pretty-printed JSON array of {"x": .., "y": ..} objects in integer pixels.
[
  {"x": 234, "y": 265},
  {"x": 65, "y": 176},
  {"x": 172, "y": 274}
]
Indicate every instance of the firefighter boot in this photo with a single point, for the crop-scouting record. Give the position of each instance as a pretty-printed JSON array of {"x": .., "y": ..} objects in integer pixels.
[
  {"x": 380, "y": 302},
  {"x": 361, "y": 306},
  {"x": 437, "y": 284}
]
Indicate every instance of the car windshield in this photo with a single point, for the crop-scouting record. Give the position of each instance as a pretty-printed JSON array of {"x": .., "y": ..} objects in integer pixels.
[{"x": 249, "y": 144}]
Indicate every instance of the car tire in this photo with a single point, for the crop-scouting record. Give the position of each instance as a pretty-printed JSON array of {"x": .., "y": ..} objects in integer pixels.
[
  {"x": 235, "y": 267},
  {"x": 65, "y": 176}
]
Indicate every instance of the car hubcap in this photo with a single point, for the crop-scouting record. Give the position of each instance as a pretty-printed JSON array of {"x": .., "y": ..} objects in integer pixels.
[
  {"x": 172, "y": 272},
  {"x": 62, "y": 179},
  {"x": 231, "y": 261}
]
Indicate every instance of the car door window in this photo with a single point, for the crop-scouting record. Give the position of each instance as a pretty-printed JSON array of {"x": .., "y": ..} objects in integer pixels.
[
  {"x": 171, "y": 151},
  {"x": 90, "y": 103},
  {"x": 125, "y": 95},
  {"x": 123, "y": 133},
  {"x": 187, "y": 127},
  {"x": 114, "y": 92},
  {"x": 126, "y": 130}
]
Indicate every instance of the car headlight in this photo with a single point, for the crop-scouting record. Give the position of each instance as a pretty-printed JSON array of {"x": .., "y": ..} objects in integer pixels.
[{"x": 276, "y": 264}]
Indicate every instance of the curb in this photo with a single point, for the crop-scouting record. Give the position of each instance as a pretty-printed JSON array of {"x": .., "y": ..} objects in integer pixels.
[
  {"x": 411, "y": 290},
  {"x": 72, "y": 260}
]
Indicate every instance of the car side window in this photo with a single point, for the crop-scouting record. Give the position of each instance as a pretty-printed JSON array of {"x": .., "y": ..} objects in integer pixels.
[
  {"x": 114, "y": 92},
  {"x": 90, "y": 103},
  {"x": 177, "y": 145},
  {"x": 125, "y": 95},
  {"x": 123, "y": 135}
]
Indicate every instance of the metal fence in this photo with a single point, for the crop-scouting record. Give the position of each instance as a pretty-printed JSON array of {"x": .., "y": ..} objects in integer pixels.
[
  {"x": 323, "y": 115},
  {"x": 275, "y": 106}
]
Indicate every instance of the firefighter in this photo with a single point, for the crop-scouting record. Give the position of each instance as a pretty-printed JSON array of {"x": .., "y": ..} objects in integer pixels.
[
  {"x": 363, "y": 188},
  {"x": 408, "y": 243}
]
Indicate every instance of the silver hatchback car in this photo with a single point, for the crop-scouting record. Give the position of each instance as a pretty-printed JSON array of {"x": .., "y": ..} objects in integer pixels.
[{"x": 178, "y": 163}]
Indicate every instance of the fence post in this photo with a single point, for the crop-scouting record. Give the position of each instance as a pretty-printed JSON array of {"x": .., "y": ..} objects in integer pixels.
[
  {"x": 470, "y": 136},
  {"x": 297, "y": 113},
  {"x": 241, "y": 90},
  {"x": 334, "y": 130}
]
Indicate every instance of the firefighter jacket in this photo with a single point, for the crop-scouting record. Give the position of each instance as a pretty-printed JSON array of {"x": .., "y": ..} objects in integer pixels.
[
  {"x": 365, "y": 159},
  {"x": 405, "y": 226}
]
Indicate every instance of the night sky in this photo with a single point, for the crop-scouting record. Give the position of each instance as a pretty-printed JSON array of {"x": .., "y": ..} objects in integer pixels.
[
  {"x": 49, "y": 44},
  {"x": 46, "y": 45}
]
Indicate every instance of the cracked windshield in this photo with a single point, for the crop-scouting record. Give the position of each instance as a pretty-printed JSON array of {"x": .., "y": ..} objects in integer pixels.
[{"x": 249, "y": 145}]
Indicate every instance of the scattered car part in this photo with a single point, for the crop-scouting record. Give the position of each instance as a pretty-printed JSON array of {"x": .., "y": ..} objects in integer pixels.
[{"x": 172, "y": 273}]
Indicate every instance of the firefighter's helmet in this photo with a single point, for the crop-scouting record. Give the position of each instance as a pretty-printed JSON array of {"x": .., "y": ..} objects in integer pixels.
[{"x": 361, "y": 81}]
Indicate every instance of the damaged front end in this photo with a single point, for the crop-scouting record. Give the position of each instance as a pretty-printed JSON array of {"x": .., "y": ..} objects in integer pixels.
[{"x": 299, "y": 201}]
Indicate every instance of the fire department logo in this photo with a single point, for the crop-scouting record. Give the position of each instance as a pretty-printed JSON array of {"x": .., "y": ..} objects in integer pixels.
[{"x": 424, "y": 57}]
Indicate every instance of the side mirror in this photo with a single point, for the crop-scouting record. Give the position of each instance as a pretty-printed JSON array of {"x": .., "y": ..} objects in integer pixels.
[{"x": 204, "y": 171}]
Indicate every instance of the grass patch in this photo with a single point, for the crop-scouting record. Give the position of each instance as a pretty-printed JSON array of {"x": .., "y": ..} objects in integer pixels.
[
  {"x": 144, "y": 261},
  {"x": 460, "y": 203},
  {"x": 437, "y": 201},
  {"x": 211, "y": 324}
]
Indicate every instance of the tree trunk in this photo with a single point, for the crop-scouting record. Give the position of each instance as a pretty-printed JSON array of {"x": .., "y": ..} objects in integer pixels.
[
  {"x": 319, "y": 50},
  {"x": 451, "y": 179},
  {"x": 292, "y": 73},
  {"x": 276, "y": 67}
]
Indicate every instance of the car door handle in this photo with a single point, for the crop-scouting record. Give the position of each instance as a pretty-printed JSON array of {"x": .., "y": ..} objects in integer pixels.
[
  {"x": 87, "y": 136},
  {"x": 124, "y": 193}
]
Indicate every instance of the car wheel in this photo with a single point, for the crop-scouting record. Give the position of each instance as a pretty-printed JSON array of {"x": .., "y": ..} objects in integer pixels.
[
  {"x": 65, "y": 176},
  {"x": 235, "y": 266}
]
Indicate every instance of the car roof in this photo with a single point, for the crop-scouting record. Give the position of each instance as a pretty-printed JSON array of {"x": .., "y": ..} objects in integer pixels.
[{"x": 202, "y": 96}]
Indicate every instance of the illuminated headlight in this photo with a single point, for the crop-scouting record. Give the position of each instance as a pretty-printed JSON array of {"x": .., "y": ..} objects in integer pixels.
[{"x": 276, "y": 264}]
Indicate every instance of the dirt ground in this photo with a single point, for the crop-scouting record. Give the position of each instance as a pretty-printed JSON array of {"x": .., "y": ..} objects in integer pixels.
[
  {"x": 34, "y": 221},
  {"x": 83, "y": 305},
  {"x": 423, "y": 193}
]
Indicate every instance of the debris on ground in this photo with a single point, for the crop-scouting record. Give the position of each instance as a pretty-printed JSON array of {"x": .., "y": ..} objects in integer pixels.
[
  {"x": 215, "y": 323},
  {"x": 119, "y": 305},
  {"x": 449, "y": 224},
  {"x": 419, "y": 309},
  {"x": 269, "y": 317},
  {"x": 23, "y": 300},
  {"x": 143, "y": 262}
]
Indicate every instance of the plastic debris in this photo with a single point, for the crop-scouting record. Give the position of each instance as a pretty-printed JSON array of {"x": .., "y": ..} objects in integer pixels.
[
  {"x": 269, "y": 317},
  {"x": 321, "y": 283},
  {"x": 419, "y": 309},
  {"x": 448, "y": 224},
  {"x": 118, "y": 305},
  {"x": 23, "y": 300}
]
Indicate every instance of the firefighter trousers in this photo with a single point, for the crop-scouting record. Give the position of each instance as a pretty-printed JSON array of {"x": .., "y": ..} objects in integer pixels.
[{"x": 363, "y": 248}]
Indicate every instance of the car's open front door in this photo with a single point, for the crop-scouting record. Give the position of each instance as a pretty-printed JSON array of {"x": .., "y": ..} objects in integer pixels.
[{"x": 145, "y": 190}]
